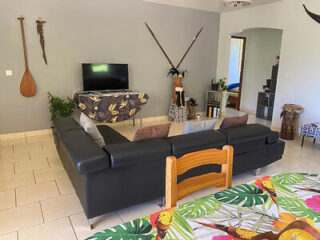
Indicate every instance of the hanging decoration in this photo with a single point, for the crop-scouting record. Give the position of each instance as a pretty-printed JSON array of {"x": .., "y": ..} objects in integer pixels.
[
  {"x": 314, "y": 16},
  {"x": 178, "y": 91},
  {"x": 28, "y": 87},
  {"x": 237, "y": 3},
  {"x": 40, "y": 32}
]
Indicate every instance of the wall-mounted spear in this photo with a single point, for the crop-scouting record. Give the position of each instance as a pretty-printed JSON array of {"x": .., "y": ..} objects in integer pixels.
[{"x": 40, "y": 32}]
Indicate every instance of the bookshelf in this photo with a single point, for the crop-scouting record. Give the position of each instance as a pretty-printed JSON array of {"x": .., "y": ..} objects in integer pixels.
[{"x": 214, "y": 103}]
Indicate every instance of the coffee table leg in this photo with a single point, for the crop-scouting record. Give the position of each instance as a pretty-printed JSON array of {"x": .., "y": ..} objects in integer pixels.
[
  {"x": 302, "y": 141},
  {"x": 314, "y": 140}
]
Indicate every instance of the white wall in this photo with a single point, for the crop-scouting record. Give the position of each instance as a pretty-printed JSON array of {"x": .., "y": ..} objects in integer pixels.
[
  {"x": 99, "y": 31},
  {"x": 299, "y": 73},
  {"x": 235, "y": 60},
  {"x": 263, "y": 45}
]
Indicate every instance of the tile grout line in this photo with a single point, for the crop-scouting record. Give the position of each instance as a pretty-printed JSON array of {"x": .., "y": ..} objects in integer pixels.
[
  {"x": 15, "y": 197},
  {"x": 74, "y": 231},
  {"x": 57, "y": 186},
  {"x": 119, "y": 216},
  {"x": 41, "y": 212}
]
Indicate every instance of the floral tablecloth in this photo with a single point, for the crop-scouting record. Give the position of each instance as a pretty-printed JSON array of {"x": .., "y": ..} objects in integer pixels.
[
  {"x": 110, "y": 108},
  {"x": 278, "y": 207}
]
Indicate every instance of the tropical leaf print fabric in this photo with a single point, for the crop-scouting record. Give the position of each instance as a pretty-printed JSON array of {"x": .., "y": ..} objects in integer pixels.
[
  {"x": 279, "y": 207},
  {"x": 110, "y": 108}
]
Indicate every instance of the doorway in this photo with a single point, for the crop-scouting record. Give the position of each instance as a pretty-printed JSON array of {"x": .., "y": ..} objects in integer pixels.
[{"x": 235, "y": 73}]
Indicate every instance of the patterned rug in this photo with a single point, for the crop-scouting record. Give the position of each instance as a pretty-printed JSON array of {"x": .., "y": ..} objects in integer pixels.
[{"x": 278, "y": 207}]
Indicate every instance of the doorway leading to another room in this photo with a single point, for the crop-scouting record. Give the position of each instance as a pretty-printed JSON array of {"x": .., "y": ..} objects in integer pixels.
[{"x": 235, "y": 73}]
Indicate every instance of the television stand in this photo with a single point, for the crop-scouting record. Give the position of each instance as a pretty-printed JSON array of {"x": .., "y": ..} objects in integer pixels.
[{"x": 111, "y": 107}]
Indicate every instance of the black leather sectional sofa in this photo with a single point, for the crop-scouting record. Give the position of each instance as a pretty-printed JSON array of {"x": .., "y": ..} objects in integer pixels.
[{"x": 126, "y": 173}]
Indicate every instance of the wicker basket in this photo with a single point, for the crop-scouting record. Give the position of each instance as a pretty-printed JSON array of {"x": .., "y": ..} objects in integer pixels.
[{"x": 290, "y": 114}]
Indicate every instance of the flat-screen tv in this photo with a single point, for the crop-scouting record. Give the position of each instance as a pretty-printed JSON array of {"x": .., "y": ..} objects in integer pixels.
[{"x": 104, "y": 76}]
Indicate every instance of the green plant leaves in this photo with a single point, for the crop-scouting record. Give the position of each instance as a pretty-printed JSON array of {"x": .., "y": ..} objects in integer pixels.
[
  {"x": 288, "y": 178},
  {"x": 59, "y": 107},
  {"x": 138, "y": 229},
  {"x": 298, "y": 208},
  {"x": 244, "y": 195},
  {"x": 200, "y": 207}
]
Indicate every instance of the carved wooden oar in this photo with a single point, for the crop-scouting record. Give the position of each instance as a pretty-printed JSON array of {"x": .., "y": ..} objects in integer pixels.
[{"x": 27, "y": 86}]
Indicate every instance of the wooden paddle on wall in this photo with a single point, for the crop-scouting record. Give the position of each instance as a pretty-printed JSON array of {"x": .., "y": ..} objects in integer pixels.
[{"x": 28, "y": 87}]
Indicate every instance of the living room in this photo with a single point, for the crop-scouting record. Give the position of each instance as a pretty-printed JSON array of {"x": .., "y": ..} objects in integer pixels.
[{"x": 55, "y": 182}]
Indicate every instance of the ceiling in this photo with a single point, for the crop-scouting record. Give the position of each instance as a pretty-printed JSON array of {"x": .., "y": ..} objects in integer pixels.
[{"x": 208, "y": 5}]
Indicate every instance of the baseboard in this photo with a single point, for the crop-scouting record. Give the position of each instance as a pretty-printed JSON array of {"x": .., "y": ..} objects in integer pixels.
[
  {"x": 8, "y": 136},
  {"x": 247, "y": 111},
  {"x": 126, "y": 122}
]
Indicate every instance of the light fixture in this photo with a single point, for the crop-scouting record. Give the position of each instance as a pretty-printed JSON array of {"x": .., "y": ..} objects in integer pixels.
[{"x": 237, "y": 3}]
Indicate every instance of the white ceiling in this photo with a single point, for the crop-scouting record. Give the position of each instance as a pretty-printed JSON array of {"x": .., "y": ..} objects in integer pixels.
[{"x": 208, "y": 5}]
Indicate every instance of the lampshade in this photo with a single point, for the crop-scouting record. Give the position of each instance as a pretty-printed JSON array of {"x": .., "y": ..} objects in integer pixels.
[{"x": 236, "y": 3}]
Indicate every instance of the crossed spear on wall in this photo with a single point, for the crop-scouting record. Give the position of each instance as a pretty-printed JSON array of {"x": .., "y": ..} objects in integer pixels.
[{"x": 178, "y": 92}]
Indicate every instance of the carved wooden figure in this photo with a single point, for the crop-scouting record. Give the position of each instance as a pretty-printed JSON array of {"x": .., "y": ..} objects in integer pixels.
[{"x": 40, "y": 32}]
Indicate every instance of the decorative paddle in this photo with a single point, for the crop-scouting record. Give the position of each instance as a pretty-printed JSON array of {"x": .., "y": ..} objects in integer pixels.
[{"x": 28, "y": 87}]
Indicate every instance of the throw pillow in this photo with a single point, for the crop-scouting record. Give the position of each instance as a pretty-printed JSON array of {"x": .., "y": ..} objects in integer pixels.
[
  {"x": 199, "y": 126},
  {"x": 234, "y": 121},
  {"x": 158, "y": 131},
  {"x": 90, "y": 128}
]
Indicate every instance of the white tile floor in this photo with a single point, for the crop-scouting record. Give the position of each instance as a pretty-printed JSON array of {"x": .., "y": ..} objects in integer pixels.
[{"x": 37, "y": 200}]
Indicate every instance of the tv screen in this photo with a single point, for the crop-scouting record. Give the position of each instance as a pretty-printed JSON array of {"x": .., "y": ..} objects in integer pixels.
[{"x": 105, "y": 76}]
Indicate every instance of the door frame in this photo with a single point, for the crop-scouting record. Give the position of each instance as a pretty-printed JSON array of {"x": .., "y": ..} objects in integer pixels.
[{"x": 243, "y": 55}]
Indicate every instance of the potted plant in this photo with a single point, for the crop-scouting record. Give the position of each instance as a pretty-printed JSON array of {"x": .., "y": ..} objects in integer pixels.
[
  {"x": 214, "y": 85},
  {"x": 192, "y": 103},
  {"x": 59, "y": 107}
]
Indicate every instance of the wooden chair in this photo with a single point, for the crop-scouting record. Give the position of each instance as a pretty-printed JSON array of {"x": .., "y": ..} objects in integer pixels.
[{"x": 176, "y": 167}]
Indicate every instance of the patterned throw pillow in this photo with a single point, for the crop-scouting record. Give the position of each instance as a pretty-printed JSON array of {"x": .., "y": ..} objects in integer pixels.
[
  {"x": 90, "y": 128},
  {"x": 234, "y": 121},
  {"x": 199, "y": 126},
  {"x": 158, "y": 131}
]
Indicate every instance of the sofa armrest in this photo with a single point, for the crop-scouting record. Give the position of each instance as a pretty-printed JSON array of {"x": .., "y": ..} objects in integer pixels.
[
  {"x": 125, "y": 154},
  {"x": 273, "y": 137},
  {"x": 86, "y": 155}
]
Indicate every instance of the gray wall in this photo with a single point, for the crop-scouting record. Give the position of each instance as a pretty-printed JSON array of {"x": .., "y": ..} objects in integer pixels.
[{"x": 109, "y": 31}]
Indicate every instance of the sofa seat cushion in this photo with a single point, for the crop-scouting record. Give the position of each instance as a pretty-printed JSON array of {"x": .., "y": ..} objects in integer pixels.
[
  {"x": 247, "y": 138},
  {"x": 193, "y": 142},
  {"x": 86, "y": 155},
  {"x": 111, "y": 136}
]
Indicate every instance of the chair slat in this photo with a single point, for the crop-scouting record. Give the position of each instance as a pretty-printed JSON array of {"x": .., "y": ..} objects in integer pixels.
[
  {"x": 176, "y": 167},
  {"x": 192, "y": 160},
  {"x": 197, "y": 183}
]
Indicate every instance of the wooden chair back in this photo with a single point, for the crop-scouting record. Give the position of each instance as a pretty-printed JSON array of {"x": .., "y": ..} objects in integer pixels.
[{"x": 176, "y": 167}]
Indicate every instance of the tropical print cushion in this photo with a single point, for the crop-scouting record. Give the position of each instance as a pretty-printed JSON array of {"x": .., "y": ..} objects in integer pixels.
[{"x": 278, "y": 207}]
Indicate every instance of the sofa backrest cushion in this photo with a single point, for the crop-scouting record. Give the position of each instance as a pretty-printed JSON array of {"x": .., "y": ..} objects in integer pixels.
[
  {"x": 193, "y": 142},
  {"x": 234, "y": 121},
  {"x": 199, "y": 126},
  {"x": 86, "y": 155},
  {"x": 65, "y": 124},
  {"x": 110, "y": 135},
  {"x": 90, "y": 128},
  {"x": 247, "y": 138},
  {"x": 142, "y": 152},
  {"x": 152, "y": 132}
]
